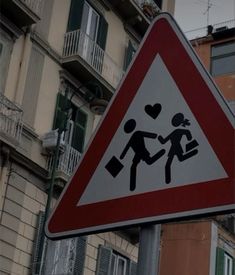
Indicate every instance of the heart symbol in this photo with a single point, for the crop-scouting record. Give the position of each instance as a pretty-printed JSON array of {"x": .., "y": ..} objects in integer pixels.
[{"x": 154, "y": 110}]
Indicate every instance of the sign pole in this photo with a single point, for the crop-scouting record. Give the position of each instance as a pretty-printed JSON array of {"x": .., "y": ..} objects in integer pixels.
[{"x": 149, "y": 247}]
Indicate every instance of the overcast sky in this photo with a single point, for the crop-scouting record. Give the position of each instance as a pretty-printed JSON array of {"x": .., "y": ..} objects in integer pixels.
[{"x": 192, "y": 14}]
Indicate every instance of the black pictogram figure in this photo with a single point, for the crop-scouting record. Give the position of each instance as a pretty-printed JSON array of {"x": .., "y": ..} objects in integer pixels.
[
  {"x": 176, "y": 147},
  {"x": 136, "y": 142}
]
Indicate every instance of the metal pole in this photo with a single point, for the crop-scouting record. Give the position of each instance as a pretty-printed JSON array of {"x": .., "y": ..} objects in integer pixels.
[{"x": 149, "y": 248}]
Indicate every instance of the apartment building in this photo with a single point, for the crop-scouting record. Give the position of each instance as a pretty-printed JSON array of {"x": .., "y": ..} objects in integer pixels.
[
  {"x": 216, "y": 50},
  {"x": 206, "y": 246},
  {"x": 61, "y": 61}
]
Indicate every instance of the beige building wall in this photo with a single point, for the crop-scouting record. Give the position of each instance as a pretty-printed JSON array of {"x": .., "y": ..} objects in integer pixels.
[
  {"x": 168, "y": 6},
  {"x": 117, "y": 39},
  {"x": 58, "y": 24},
  {"x": 22, "y": 201},
  {"x": 17, "y": 71}
]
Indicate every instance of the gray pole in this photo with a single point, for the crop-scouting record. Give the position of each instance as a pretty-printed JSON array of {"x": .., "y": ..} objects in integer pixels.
[{"x": 149, "y": 248}]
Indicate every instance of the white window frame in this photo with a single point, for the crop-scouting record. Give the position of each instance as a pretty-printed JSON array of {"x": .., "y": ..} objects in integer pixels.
[
  {"x": 68, "y": 134},
  {"x": 117, "y": 259},
  {"x": 228, "y": 264},
  {"x": 88, "y": 41}
]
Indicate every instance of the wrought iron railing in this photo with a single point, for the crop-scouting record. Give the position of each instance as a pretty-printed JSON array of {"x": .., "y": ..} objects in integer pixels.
[
  {"x": 34, "y": 5},
  {"x": 150, "y": 3},
  {"x": 68, "y": 160},
  {"x": 10, "y": 119},
  {"x": 78, "y": 43}
]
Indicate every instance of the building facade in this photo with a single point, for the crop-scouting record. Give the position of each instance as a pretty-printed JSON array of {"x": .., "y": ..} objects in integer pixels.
[{"x": 61, "y": 61}]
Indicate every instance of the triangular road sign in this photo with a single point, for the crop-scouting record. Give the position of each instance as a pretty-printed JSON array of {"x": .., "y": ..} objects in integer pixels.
[{"x": 164, "y": 149}]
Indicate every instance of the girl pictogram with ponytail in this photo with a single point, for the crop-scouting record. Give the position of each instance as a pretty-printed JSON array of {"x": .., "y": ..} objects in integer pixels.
[{"x": 176, "y": 148}]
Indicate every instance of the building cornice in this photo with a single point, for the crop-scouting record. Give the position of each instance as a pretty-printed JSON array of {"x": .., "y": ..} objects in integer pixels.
[{"x": 11, "y": 28}]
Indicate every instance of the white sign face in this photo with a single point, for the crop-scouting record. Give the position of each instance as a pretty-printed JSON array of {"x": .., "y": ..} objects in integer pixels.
[{"x": 176, "y": 165}]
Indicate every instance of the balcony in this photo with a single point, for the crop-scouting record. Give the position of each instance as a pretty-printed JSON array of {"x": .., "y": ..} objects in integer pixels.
[
  {"x": 22, "y": 12},
  {"x": 67, "y": 162},
  {"x": 85, "y": 59},
  {"x": 135, "y": 14},
  {"x": 10, "y": 122}
]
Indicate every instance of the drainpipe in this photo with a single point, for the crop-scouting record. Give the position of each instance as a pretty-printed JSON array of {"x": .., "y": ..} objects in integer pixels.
[{"x": 4, "y": 163}]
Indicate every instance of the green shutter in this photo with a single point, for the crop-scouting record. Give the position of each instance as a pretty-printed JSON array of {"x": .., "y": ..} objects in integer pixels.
[
  {"x": 104, "y": 261},
  {"x": 79, "y": 130},
  {"x": 59, "y": 113},
  {"x": 80, "y": 256},
  {"x": 219, "y": 261},
  {"x": 75, "y": 15},
  {"x": 129, "y": 55},
  {"x": 102, "y": 32},
  {"x": 38, "y": 244}
]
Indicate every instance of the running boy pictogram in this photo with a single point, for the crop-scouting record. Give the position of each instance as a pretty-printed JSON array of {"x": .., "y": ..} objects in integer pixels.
[{"x": 137, "y": 144}]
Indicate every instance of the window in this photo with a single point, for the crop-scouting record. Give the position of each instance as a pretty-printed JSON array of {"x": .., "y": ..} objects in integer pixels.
[
  {"x": 6, "y": 45},
  {"x": 60, "y": 257},
  {"x": 83, "y": 16},
  {"x": 228, "y": 265},
  {"x": 75, "y": 131},
  {"x": 89, "y": 27},
  {"x": 119, "y": 265},
  {"x": 110, "y": 262},
  {"x": 225, "y": 264},
  {"x": 130, "y": 51},
  {"x": 223, "y": 58}
]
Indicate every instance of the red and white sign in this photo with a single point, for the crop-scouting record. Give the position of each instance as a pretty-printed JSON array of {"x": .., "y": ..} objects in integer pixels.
[{"x": 164, "y": 149}]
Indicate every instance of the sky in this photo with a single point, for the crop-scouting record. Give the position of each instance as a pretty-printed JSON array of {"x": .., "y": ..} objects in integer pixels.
[{"x": 193, "y": 14}]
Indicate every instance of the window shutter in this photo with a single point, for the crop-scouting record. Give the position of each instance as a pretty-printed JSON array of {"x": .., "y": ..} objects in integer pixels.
[
  {"x": 104, "y": 261},
  {"x": 79, "y": 130},
  {"x": 38, "y": 244},
  {"x": 130, "y": 51},
  {"x": 132, "y": 269},
  {"x": 102, "y": 32},
  {"x": 59, "y": 113},
  {"x": 80, "y": 256},
  {"x": 75, "y": 15},
  {"x": 219, "y": 261}
]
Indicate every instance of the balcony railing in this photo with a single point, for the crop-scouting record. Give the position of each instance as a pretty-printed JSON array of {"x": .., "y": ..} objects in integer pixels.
[
  {"x": 78, "y": 43},
  {"x": 68, "y": 160},
  {"x": 10, "y": 119},
  {"x": 34, "y": 5}
]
